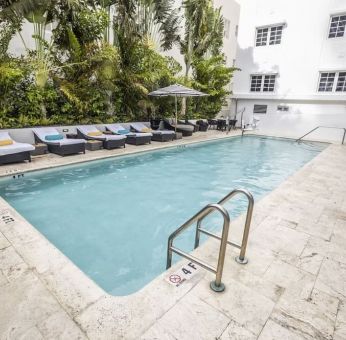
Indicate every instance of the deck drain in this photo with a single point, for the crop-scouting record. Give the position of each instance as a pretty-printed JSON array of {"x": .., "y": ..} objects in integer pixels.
[{"x": 6, "y": 218}]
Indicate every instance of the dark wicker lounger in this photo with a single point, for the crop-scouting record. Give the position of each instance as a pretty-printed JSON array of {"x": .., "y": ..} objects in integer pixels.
[
  {"x": 186, "y": 130},
  {"x": 157, "y": 135},
  {"x": 138, "y": 140},
  {"x": 131, "y": 138},
  {"x": 14, "y": 151},
  {"x": 62, "y": 147},
  {"x": 162, "y": 137},
  {"x": 107, "y": 140},
  {"x": 15, "y": 157}
]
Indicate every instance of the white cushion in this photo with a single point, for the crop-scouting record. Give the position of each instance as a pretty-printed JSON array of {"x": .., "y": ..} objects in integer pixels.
[
  {"x": 15, "y": 148},
  {"x": 87, "y": 129},
  {"x": 41, "y": 133},
  {"x": 117, "y": 127},
  {"x": 5, "y": 135},
  {"x": 140, "y": 126},
  {"x": 163, "y": 132}
]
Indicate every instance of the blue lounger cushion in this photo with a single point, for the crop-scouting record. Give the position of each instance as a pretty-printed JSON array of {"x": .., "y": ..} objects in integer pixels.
[{"x": 54, "y": 137}]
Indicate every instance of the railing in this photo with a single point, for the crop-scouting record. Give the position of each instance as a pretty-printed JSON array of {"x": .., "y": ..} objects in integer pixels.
[
  {"x": 324, "y": 127},
  {"x": 216, "y": 285},
  {"x": 241, "y": 258}
]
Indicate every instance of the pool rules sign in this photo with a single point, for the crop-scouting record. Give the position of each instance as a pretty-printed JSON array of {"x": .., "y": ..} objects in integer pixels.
[{"x": 183, "y": 274}]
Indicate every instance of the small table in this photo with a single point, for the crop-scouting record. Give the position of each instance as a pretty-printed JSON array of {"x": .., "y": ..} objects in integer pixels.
[
  {"x": 93, "y": 145},
  {"x": 40, "y": 149},
  {"x": 178, "y": 135}
]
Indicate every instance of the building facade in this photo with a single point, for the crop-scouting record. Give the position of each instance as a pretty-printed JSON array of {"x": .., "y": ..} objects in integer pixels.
[{"x": 292, "y": 57}]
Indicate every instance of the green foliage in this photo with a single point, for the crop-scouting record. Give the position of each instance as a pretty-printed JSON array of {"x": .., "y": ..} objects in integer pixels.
[
  {"x": 202, "y": 47},
  {"x": 77, "y": 75},
  {"x": 211, "y": 76}
]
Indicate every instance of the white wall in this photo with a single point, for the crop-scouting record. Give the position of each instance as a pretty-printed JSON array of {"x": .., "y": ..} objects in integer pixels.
[
  {"x": 305, "y": 50},
  {"x": 230, "y": 10}
]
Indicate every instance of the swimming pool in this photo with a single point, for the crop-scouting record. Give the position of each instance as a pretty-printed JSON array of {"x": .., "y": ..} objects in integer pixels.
[{"x": 112, "y": 218}]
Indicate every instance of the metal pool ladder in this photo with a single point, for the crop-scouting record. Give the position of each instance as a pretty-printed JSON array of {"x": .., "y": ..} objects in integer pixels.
[{"x": 216, "y": 285}]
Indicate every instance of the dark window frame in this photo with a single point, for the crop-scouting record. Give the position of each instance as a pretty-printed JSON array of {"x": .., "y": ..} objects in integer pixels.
[
  {"x": 260, "y": 109},
  {"x": 337, "y": 26}
]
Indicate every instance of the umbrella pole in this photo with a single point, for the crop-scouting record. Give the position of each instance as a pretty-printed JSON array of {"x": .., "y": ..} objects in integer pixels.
[{"x": 176, "y": 114}]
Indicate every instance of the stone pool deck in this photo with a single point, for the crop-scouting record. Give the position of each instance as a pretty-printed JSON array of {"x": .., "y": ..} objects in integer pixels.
[{"x": 294, "y": 286}]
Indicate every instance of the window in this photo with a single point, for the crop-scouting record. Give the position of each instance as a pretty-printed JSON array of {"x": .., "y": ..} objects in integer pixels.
[
  {"x": 256, "y": 83},
  {"x": 274, "y": 33},
  {"x": 283, "y": 108},
  {"x": 262, "y": 36},
  {"x": 269, "y": 83},
  {"x": 236, "y": 30},
  {"x": 260, "y": 108},
  {"x": 337, "y": 26},
  {"x": 227, "y": 25},
  {"x": 263, "y": 83},
  {"x": 341, "y": 83}
]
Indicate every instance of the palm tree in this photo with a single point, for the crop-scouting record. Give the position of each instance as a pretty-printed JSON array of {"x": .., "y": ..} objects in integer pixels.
[{"x": 203, "y": 34}]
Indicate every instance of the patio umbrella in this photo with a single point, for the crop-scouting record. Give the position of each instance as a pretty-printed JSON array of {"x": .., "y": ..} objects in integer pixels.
[{"x": 177, "y": 91}]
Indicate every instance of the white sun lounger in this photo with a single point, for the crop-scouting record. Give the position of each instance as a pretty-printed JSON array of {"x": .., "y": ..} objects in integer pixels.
[
  {"x": 109, "y": 141},
  {"x": 134, "y": 138},
  {"x": 15, "y": 152},
  {"x": 158, "y": 135},
  {"x": 60, "y": 147}
]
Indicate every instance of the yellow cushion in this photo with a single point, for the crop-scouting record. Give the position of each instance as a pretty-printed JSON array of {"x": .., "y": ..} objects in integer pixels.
[
  {"x": 6, "y": 142},
  {"x": 94, "y": 133},
  {"x": 146, "y": 130}
]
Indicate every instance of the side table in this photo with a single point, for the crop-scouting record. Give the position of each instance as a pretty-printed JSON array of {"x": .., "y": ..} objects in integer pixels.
[
  {"x": 93, "y": 145},
  {"x": 178, "y": 135},
  {"x": 40, "y": 149}
]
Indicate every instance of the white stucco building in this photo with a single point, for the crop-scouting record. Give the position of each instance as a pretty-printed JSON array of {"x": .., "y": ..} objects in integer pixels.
[{"x": 293, "y": 60}]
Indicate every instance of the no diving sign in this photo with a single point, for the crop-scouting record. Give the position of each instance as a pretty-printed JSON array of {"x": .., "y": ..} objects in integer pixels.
[{"x": 182, "y": 274}]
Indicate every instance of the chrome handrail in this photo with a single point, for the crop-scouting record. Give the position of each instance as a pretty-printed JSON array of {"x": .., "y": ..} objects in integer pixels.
[
  {"x": 241, "y": 258},
  {"x": 216, "y": 285},
  {"x": 324, "y": 127}
]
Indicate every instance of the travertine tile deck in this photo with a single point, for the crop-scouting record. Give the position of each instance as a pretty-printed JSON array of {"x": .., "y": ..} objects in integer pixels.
[{"x": 294, "y": 286}]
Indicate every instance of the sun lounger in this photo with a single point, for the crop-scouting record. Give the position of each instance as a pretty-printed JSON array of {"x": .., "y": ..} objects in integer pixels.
[
  {"x": 202, "y": 123},
  {"x": 12, "y": 151},
  {"x": 191, "y": 123},
  {"x": 90, "y": 132},
  {"x": 134, "y": 138},
  {"x": 186, "y": 130},
  {"x": 57, "y": 143},
  {"x": 158, "y": 135}
]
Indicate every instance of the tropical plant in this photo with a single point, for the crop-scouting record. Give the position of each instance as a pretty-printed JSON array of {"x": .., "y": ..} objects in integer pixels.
[
  {"x": 202, "y": 50},
  {"x": 211, "y": 76}
]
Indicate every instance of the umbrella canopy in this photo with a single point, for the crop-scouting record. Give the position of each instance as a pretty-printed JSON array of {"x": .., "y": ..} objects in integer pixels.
[{"x": 177, "y": 90}]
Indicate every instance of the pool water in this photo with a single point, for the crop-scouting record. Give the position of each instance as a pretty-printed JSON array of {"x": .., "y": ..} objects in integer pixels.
[{"x": 112, "y": 218}]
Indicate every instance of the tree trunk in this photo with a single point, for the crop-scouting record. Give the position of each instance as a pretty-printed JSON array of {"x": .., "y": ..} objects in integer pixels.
[{"x": 188, "y": 62}]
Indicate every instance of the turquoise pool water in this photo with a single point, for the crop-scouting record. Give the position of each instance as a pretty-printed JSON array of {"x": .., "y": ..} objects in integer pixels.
[{"x": 112, "y": 218}]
